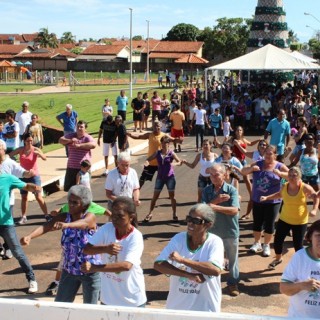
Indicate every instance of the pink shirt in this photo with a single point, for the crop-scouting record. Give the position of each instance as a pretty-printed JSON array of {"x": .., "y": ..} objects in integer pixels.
[
  {"x": 29, "y": 161},
  {"x": 76, "y": 156},
  {"x": 156, "y": 103}
]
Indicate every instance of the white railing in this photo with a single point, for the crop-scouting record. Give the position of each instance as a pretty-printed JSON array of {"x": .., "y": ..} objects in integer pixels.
[{"x": 15, "y": 309}]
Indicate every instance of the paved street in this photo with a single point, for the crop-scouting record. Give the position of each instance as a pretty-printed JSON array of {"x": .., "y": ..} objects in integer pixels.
[{"x": 259, "y": 286}]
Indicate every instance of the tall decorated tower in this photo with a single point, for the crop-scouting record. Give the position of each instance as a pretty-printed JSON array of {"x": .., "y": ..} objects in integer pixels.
[{"x": 269, "y": 26}]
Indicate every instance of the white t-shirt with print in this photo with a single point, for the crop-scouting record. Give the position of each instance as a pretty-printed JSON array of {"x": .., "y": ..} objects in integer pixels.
[
  {"x": 122, "y": 185},
  {"x": 12, "y": 143},
  {"x": 304, "y": 304},
  {"x": 188, "y": 295},
  {"x": 126, "y": 288}
]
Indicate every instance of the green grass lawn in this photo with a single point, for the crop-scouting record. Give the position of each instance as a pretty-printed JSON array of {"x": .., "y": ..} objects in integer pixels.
[{"x": 87, "y": 104}]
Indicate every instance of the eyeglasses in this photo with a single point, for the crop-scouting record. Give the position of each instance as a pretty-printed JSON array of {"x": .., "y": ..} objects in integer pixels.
[
  {"x": 262, "y": 145},
  {"x": 196, "y": 221}
]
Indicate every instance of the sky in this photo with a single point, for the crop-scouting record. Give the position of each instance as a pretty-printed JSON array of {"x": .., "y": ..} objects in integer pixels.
[{"x": 108, "y": 18}]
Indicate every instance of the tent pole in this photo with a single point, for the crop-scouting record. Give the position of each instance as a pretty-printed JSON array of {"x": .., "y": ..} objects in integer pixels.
[{"x": 206, "y": 83}]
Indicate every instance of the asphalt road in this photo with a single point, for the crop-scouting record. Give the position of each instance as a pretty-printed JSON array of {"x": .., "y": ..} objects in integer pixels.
[{"x": 259, "y": 286}]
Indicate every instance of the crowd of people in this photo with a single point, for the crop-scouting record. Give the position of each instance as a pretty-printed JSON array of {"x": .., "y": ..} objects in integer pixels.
[{"x": 106, "y": 261}]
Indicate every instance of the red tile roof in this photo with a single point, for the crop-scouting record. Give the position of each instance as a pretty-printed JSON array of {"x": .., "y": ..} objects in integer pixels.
[
  {"x": 29, "y": 37},
  {"x": 179, "y": 46},
  {"x": 140, "y": 45},
  {"x": 191, "y": 58},
  {"x": 67, "y": 46},
  {"x": 6, "y": 37},
  {"x": 46, "y": 53},
  {"x": 109, "y": 49},
  {"x": 12, "y": 48}
]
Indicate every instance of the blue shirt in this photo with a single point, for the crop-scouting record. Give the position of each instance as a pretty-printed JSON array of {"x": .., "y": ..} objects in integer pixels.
[
  {"x": 225, "y": 226},
  {"x": 278, "y": 131},
  {"x": 233, "y": 161},
  {"x": 122, "y": 103},
  {"x": 7, "y": 183},
  {"x": 69, "y": 122},
  {"x": 215, "y": 120}
]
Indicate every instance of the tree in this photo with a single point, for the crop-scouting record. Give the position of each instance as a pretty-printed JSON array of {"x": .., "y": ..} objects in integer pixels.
[
  {"x": 76, "y": 50},
  {"x": 292, "y": 36},
  {"x": 314, "y": 45},
  {"x": 227, "y": 39},
  {"x": 137, "y": 38},
  {"x": 46, "y": 39},
  {"x": 183, "y": 32},
  {"x": 67, "y": 37}
]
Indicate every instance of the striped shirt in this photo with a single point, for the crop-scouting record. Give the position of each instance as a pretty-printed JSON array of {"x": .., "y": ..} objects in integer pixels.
[{"x": 76, "y": 156}]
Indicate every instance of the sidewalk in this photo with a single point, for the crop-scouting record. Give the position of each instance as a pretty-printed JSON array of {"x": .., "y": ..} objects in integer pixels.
[{"x": 53, "y": 169}]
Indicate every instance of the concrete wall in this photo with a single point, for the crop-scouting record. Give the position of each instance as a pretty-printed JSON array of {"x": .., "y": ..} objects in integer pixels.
[{"x": 13, "y": 309}]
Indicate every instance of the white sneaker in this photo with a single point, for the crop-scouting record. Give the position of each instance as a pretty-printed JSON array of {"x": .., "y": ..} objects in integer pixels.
[
  {"x": 266, "y": 250},
  {"x": 33, "y": 286},
  {"x": 256, "y": 247},
  {"x": 23, "y": 220},
  {"x": 8, "y": 254}
]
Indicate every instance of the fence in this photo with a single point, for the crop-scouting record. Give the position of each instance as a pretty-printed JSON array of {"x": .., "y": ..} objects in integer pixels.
[{"x": 87, "y": 78}]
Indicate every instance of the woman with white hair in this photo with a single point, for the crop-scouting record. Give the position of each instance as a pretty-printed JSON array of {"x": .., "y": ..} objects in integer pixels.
[
  {"x": 194, "y": 260},
  {"x": 77, "y": 227}
]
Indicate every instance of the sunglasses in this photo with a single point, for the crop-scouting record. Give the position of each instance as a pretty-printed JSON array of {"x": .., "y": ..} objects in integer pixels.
[
  {"x": 262, "y": 145},
  {"x": 196, "y": 221}
]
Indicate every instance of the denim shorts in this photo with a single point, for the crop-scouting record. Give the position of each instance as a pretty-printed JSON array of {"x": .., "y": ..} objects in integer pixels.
[
  {"x": 203, "y": 181},
  {"x": 170, "y": 183},
  {"x": 35, "y": 179},
  {"x": 311, "y": 180},
  {"x": 297, "y": 148}
]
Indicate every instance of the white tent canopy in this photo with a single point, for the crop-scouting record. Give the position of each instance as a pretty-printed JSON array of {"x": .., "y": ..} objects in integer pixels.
[
  {"x": 268, "y": 57},
  {"x": 302, "y": 56}
]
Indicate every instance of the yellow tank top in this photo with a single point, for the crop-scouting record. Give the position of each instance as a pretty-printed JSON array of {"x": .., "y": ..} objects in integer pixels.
[
  {"x": 154, "y": 146},
  {"x": 294, "y": 210}
]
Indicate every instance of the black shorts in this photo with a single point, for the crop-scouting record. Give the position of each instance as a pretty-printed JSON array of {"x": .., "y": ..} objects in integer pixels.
[
  {"x": 148, "y": 173},
  {"x": 70, "y": 178},
  {"x": 137, "y": 116},
  {"x": 122, "y": 114},
  {"x": 156, "y": 113}
]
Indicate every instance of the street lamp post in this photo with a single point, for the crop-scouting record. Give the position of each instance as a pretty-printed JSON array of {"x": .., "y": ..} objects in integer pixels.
[
  {"x": 310, "y": 14},
  {"x": 148, "y": 49},
  {"x": 317, "y": 32},
  {"x": 130, "y": 52}
]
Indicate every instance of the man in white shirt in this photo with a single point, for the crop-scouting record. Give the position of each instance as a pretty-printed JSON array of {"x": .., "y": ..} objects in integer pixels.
[
  {"x": 23, "y": 117},
  {"x": 266, "y": 109},
  {"x": 215, "y": 105},
  {"x": 123, "y": 181}
]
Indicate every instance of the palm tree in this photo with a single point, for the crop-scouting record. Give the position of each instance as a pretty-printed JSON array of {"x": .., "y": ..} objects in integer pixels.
[
  {"x": 47, "y": 39},
  {"x": 67, "y": 37}
]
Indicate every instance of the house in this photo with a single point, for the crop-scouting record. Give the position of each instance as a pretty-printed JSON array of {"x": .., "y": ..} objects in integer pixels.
[
  {"x": 47, "y": 58},
  {"x": 170, "y": 51},
  {"x": 105, "y": 52},
  {"x": 9, "y": 51},
  {"x": 18, "y": 38}
]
